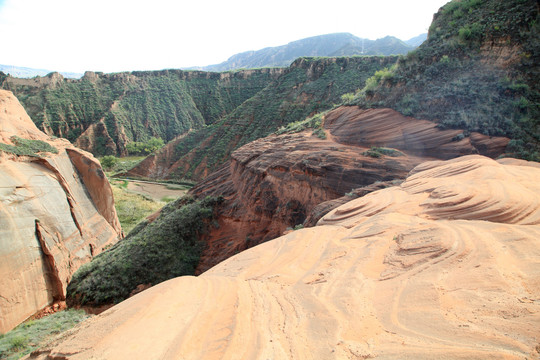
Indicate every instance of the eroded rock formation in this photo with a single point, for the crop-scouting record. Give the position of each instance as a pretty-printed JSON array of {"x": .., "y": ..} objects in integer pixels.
[
  {"x": 277, "y": 182},
  {"x": 386, "y": 127},
  {"x": 443, "y": 266},
  {"x": 56, "y": 213},
  {"x": 273, "y": 183}
]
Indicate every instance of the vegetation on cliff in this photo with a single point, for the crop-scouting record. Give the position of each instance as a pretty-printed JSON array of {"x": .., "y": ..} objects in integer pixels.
[
  {"x": 151, "y": 253},
  {"x": 478, "y": 70},
  {"x": 133, "y": 106},
  {"x": 27, "y": 147}
]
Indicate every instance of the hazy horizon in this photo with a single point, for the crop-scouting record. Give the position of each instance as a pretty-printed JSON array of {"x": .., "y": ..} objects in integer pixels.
[{"x": 68, "y": 36}]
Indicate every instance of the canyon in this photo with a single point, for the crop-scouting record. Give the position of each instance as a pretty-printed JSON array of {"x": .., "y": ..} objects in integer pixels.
[
  {"x": 274, "y": 183},
  {"x": 344, "y": 208}
]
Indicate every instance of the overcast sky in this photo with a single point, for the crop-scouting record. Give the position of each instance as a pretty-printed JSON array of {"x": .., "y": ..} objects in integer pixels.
[{"x": 122, "y": 35}]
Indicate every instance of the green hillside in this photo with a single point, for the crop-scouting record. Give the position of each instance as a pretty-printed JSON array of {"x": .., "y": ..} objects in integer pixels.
[
  {"x": 134, "y": 106},
  {"x": 478, "y": 70},
  {"x": 151, "y": 253}
]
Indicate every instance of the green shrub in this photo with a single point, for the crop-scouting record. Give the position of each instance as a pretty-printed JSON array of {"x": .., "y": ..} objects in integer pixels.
[
  {"x": 347, "y": 98},
  {"x": 144, "y": 148},
  {"x": 470, "y": 32},
  {"x": 108, "y": 162},
  {"x": 320, "y": 133},
  {"x": 377, "y": 152}
]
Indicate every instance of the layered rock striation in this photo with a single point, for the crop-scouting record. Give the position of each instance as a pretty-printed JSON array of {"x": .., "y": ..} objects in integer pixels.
[
  {"x": 57, "y": 212},
  {"x": 443, "y": 266}
]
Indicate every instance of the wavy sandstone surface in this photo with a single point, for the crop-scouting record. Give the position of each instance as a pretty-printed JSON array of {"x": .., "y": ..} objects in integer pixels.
[
  {"x": 352, "y": 125},
  {"x": 446, "y": 265},
  {"x": 56, "y": 213}
]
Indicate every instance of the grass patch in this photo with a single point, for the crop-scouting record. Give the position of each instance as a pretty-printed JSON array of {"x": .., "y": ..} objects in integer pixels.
[
  {"x": 178, "y": 187},
  {"x": 132, "y": 208},
  {"x": 314, "y": 122},
  {"x": 26, "y": 147},
  {"x": 34, "y": 334},
  {"x": 168, "y": 199},
  {"x": 377, "y": 152}
]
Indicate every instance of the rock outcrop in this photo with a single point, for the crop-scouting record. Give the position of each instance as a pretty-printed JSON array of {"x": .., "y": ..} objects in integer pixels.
[
  {"x": 96, "y": 139},
  {"x": 57, "y": 212},
  {"x": 278, "y": 181},
  {"x": 386, "y": 127},
  {"x": 443, "y": 266}
]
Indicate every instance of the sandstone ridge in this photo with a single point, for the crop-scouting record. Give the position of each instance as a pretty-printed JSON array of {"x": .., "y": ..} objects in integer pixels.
[
  {"x": 443, "y": 266},
  {"x": 57, "y": 212}
]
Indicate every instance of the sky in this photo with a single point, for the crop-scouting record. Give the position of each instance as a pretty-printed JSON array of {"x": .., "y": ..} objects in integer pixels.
[{"x": 127, "y": 35}]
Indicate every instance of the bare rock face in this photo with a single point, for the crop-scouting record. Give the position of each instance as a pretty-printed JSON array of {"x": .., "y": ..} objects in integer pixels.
[
  {"x": 56, "y": 213},
  {"x": 446, "y": 265}
]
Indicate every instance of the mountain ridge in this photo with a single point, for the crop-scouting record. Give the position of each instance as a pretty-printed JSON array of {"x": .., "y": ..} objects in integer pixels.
[{"x": 330, "y": 45}]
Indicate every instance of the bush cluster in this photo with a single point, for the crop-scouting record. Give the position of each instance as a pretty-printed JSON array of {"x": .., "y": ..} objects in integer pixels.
[
  {"x": 144, "y": 147},
  {"x": 151, "y": 253}
]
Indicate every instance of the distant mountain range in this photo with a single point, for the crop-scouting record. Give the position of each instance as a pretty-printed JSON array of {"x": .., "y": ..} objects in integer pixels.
[
  {"x": 24, "y": 72},
  {"x": 339, "y": 44}
]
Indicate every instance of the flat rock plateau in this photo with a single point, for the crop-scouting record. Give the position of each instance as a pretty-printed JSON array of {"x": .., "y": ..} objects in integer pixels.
[{"x": 445, "y": 265}]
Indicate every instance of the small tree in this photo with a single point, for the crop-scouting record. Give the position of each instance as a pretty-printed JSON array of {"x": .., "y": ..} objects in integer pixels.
[
  {"x": 108, "y": 162},
  {"x": 144, "y": 148}
]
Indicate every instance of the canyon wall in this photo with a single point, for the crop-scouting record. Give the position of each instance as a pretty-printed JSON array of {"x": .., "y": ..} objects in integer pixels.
[{"x": 57, "y": 212}]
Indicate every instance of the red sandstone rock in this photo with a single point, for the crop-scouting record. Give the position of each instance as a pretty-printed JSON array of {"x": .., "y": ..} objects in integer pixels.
[
  {"x": 279, "y": 181},
  {"x": 388, "y": 128},
  {"x": 56, "y": 213}
]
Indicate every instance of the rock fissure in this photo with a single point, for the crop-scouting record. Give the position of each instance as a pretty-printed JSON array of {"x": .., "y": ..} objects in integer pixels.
[{"x": 57, "y": 287}]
